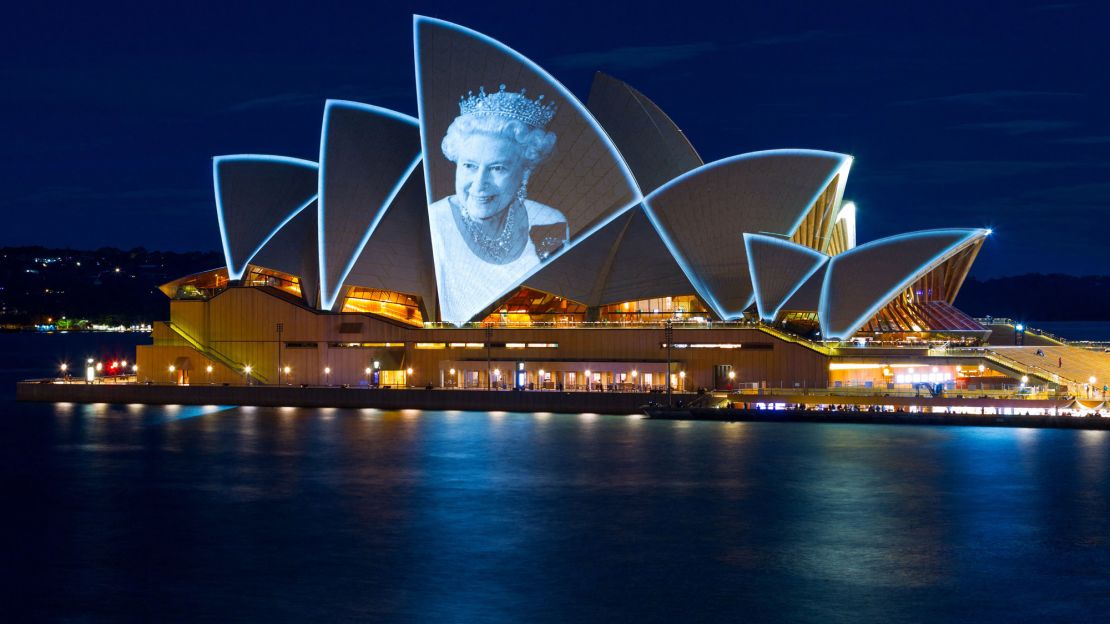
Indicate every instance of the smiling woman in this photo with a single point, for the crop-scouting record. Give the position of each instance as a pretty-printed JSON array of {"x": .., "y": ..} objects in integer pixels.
[{"x": 495, "y": 143}]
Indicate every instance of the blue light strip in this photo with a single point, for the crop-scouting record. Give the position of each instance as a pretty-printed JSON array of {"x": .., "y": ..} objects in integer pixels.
[
  {"x": 844, "y": 163},
  {"x": 968, "y": 236},
  {"x": 232, "y": 272},
  {"x": 818, "y": 258},
  {"x": 330, "y": 292},
  {"x": 564, "y": 93}
]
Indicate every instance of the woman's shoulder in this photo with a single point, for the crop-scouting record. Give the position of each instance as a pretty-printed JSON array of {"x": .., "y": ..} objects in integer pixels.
[{"x": 541, "y": 214}]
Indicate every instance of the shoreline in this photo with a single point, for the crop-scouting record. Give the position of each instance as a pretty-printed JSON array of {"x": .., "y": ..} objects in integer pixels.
[
  {"x": 848, "y": 417},
  {"x": 573, "y": 402}
]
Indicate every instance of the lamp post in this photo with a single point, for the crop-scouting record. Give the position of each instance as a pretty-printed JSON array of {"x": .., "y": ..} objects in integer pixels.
[
  {"x": 489, "y": 346},
  {"x": 367, "y": 372},
  {"x": 377, "y": 374},
  {"x": 208, "y": 373},
  {"x": 327, "y": 375},
  {"x": 668, "y": 332},
  {"x": 731, "y": 378},
  {"x": 589, "y": 380},
  {"x": 64, "y": 367},
  {"x": 635, "y": 379},
  {"x": 286, "y": 370},
  {"x": 247, "y": 374},
  {"x": 540, "y": 379},
  {"x": 279, "y": 327},
  {"x": 408, "y": 376},
  {"x": 172, "y": 369},
  {"x": 682, "y": 381}
]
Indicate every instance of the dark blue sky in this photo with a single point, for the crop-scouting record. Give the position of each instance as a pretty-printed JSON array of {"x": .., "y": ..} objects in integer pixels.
[{"x": 992, "y": 115}]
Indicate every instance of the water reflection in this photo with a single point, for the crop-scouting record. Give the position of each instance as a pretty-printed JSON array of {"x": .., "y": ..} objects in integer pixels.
[{"x": 456, "y": 516}]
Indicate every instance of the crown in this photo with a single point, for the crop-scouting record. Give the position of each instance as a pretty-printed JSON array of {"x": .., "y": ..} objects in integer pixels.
[{"x": 533, "y": 113}]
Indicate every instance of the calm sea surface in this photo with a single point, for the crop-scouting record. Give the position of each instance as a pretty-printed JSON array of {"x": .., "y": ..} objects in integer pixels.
[{"x": 186, "y": 514}]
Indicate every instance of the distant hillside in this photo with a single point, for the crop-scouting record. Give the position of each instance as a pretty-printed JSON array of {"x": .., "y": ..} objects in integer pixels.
[
  {"x": 1038, "y": 297},
  {"x": 104, "y": 286}
]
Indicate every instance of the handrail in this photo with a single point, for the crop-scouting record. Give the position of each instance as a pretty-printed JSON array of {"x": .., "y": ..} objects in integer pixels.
[
  {"x": 1045, "y": 374},
  {"x": 213, "y": 353},
  {"x": 798, "y": 340}
]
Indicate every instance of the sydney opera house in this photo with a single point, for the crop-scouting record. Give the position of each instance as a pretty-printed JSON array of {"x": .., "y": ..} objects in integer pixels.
[{"x": 512, "y": 236}]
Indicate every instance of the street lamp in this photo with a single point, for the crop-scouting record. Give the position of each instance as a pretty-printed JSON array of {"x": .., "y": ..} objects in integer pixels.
[
  {"x": 286, "y": 370},
  {"x": 64, "y": 366},
  {"x": 327, "y": 375},
  {"x": 635, "y": 383},
  {"x": 172, "y": 368},
  {"x": 247, "y": 374},
  {"x": 589, "y": 380},
  {"x": 682, "y": 381},
  {"x": 367, "y": 371},
  {"x": 208, "y": 372}
]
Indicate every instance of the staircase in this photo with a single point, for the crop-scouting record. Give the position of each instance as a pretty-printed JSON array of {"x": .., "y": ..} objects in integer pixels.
[{"x": 211, "y": 353}]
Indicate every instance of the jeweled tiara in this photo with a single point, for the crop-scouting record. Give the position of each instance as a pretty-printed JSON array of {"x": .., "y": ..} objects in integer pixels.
[{"x": 517, "y": 106}]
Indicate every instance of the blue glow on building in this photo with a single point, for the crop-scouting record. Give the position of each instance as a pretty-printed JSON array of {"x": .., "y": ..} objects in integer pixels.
[
  {"x": 235, "y": 272},
  {"x": 329, "y": 293}
]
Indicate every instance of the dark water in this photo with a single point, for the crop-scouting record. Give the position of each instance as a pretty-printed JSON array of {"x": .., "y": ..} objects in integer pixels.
[{"x": 130, "y": 513}]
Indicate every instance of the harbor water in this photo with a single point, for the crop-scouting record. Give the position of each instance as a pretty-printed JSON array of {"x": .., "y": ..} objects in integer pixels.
[{"x": 218, "y": 513}]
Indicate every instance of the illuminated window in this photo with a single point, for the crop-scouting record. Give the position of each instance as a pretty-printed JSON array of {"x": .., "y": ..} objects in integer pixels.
[
  {"x": 392, "y": 305},
  {"x": 260, "y": 277},
  {"x": 527, "y": 306},
  {"x": 683, "y": 307}
]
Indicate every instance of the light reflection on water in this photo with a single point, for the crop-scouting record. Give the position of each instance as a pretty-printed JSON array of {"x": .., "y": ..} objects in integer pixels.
[{"x": 295, "y": 514}]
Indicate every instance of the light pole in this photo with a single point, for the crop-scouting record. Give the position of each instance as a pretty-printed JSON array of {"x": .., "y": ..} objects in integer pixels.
[
  {"x": 540, "y": 379},
  {"x": 64, "y": 367},
  {"x": 279, "y": 327},
  {"x": 589, "y": 380},
  {"x": 489, "y": 346},
  {"x": 327, "y": 375},
  {"x": 247, "y": 374},
  {"x": 287, "y": 370},
  {"x": 172, "y": 369},
  {"x": 208, "y": 372},
  {"x": 682, "y": 381},
  {"x": 668, "y": 332},
  {"x": 377, "y": 374},
  {"x": 635, "y": 379},
  {"x": 408, "y": 376},
  {"x": 367, "y": 371}
]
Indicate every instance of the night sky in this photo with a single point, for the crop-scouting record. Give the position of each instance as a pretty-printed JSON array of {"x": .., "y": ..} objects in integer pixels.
[{"x": 993, "y": 115}]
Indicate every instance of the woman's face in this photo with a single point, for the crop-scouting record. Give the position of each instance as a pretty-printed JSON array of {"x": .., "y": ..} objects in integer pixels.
[{"x": 488, "y": 174}]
